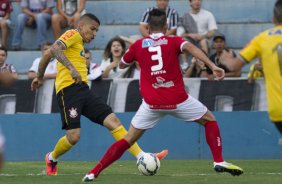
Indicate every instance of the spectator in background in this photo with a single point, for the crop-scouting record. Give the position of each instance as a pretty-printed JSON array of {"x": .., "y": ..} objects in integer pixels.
[
  {"x": 133, "y": 71},
  {"x": 69, "y": 12},
  {"x": 197, "y": 68},
  {"x": 94, "y": 70},
  {"x": 186, "y": 26},
  {"x": 171, "y": 15},
  {"x": 112, "y": 55},
  {"x": 255, "y": 72},
  {"x": 219, "y": 44},
  {"x": 51, "y": 70},
  {"x": 35, "y": 14},
  {"x": 8, "y": 73},
  {"x": 206, "y": 25},
  {"x": 5, "y": 12}
]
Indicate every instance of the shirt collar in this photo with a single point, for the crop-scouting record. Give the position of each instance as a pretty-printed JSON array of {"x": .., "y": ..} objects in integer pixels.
[{"x": 156, "y": 35}]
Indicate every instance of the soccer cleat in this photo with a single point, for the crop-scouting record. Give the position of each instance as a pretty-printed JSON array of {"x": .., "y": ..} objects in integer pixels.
[
  {"x": 51, "y": 166},
  {"x": 227, "y": 167},
  {"x": 88, "y": 177},
  {"x": 161, "y": 155}
]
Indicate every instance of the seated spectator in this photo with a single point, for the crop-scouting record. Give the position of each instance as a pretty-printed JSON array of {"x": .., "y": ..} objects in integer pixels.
[
  {"x": 8, "y": 73},
  {"x": 51, "y": 70},
  {"x": 172, "y": 18},
  {"x": 69, "y": 12},
  {"x": 186, "y": 26},
  {"x": 112, "y": 55},
  {"x": 256, "y": 71},
  {"x": 206, "y": 25},
  {"x": 94, "y": 70},
  {"x": 5, "y": 12},
  {"x": 133, "y": 71},
  {"x": 219, "y": 44},
  {"x": 197, "y": 68},
  {"x": 35, "y": 14}
]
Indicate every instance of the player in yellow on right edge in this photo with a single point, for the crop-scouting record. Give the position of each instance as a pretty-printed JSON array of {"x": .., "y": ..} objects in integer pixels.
[{"x": 267, "y": 46}]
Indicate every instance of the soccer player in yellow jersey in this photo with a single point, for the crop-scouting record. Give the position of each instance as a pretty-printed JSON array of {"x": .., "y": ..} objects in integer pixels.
[
  {"x": 73, "y": 93},
  {"x": 267, "y": 46}
]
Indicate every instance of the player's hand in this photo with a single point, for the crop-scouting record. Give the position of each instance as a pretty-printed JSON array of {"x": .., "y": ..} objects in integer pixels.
[
  {"x": 76, "y": 76},
  {"x": 36, "y": 83},
  {"x": 218, "y": 73}
]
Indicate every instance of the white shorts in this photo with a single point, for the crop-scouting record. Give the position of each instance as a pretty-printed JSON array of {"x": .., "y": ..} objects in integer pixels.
[{"x": 189, "y": 110}]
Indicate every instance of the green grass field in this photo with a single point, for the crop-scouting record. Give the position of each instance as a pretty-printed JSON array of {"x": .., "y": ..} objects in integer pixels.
[{"x": 125, "y": 172}]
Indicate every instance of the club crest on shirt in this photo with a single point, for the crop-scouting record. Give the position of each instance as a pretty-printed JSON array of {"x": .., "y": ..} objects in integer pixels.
[
  {"x": 73, "y": 112},
  {"x": 147, "y": 43},
  {"x": 162, "y": 84}
]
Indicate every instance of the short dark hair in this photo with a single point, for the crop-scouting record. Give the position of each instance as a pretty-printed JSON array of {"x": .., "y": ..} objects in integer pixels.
[
  {"x": 86, "y": 51},
  {"x": 5, "y": 50},
  {"x": 90, "y": 16},
  {"x": 157, "y": 19},
  {"x": 277, "y": 11}
]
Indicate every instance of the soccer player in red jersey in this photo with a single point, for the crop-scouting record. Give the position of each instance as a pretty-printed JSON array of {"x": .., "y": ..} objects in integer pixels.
[{"x": 163, "y": 92}]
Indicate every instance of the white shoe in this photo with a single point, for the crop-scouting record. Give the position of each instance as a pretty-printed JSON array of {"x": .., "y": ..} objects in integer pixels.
[
  {"x": 88, "y": 177},
  {"x": 227, "y": 167}
]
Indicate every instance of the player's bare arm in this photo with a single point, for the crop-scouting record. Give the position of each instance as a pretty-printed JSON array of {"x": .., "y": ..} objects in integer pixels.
[
  {"x": 231, "y": 62},
  {"x": 199, "y": 54},
  {"x": 57, "y": 51},
  {"x": 45, "y": 59}
]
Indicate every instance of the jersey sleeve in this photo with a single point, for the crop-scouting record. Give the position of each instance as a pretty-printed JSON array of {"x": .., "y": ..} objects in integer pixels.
[
  {"x": 129, "y": 56},
  {"x": 251, "y": 50},
  {"x": 69, "y": 38},
  {"x": 179, "y": 42}
]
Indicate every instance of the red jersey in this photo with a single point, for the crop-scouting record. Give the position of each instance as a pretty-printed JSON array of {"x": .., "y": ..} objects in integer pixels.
[
  {"x": 5, "y": 7},
  {"x": 161, "y": 81}
]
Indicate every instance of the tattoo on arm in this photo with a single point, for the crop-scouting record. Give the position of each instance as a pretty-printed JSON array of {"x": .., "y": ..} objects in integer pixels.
[{"x": 57, "y": 51}]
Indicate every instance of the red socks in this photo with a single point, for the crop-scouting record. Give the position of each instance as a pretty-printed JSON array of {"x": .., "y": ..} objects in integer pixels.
[
  {"x": 214, "y": 140},
  {"x": 113, "y": 153}
]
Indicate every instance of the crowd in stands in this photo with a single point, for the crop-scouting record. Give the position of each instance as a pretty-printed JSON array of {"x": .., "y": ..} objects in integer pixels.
[{"x": 197, "y": 25}]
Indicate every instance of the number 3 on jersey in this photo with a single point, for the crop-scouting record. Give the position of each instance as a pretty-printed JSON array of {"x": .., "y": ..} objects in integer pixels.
[{"x": 156, "y": 57}]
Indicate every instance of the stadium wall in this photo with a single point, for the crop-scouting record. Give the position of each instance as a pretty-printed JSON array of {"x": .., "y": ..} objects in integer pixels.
[{"x": 246, "y": 135}]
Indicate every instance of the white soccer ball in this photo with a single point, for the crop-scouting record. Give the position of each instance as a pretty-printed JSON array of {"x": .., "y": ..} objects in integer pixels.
[{"x": 148, "y": 164}]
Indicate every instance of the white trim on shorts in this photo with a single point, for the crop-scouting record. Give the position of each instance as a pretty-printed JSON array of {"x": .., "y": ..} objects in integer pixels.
[{"x": 189, "y": 110}]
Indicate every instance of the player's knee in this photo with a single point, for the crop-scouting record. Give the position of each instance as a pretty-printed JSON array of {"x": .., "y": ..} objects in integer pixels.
[{"x": 111, "y": 122}]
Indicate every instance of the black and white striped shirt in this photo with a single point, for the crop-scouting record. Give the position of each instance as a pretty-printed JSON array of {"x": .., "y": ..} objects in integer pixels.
[
  {"x": 171, "y": 15},
  {"x": 7, "y": 67}
]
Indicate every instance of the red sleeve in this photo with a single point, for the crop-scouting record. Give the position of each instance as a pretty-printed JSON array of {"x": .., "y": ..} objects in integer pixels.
[
  {"x": 129, "y": 56},
  {"x": 179, "y": 42}
]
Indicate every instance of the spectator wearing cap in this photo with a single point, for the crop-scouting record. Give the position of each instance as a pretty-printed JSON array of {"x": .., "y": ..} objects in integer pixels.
[{"x": 219, "y": 44}]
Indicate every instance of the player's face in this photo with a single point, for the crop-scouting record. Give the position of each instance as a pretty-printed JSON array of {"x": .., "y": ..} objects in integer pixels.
[
  {"x": 88, "y": 30},
  {"x": 162, "y": 4},
  {"x": 2, "y": 57},
  {"x": 116, "y": 49},
  {"x": 196, "y": 4},
  {"x": 219, "y": 44}
]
